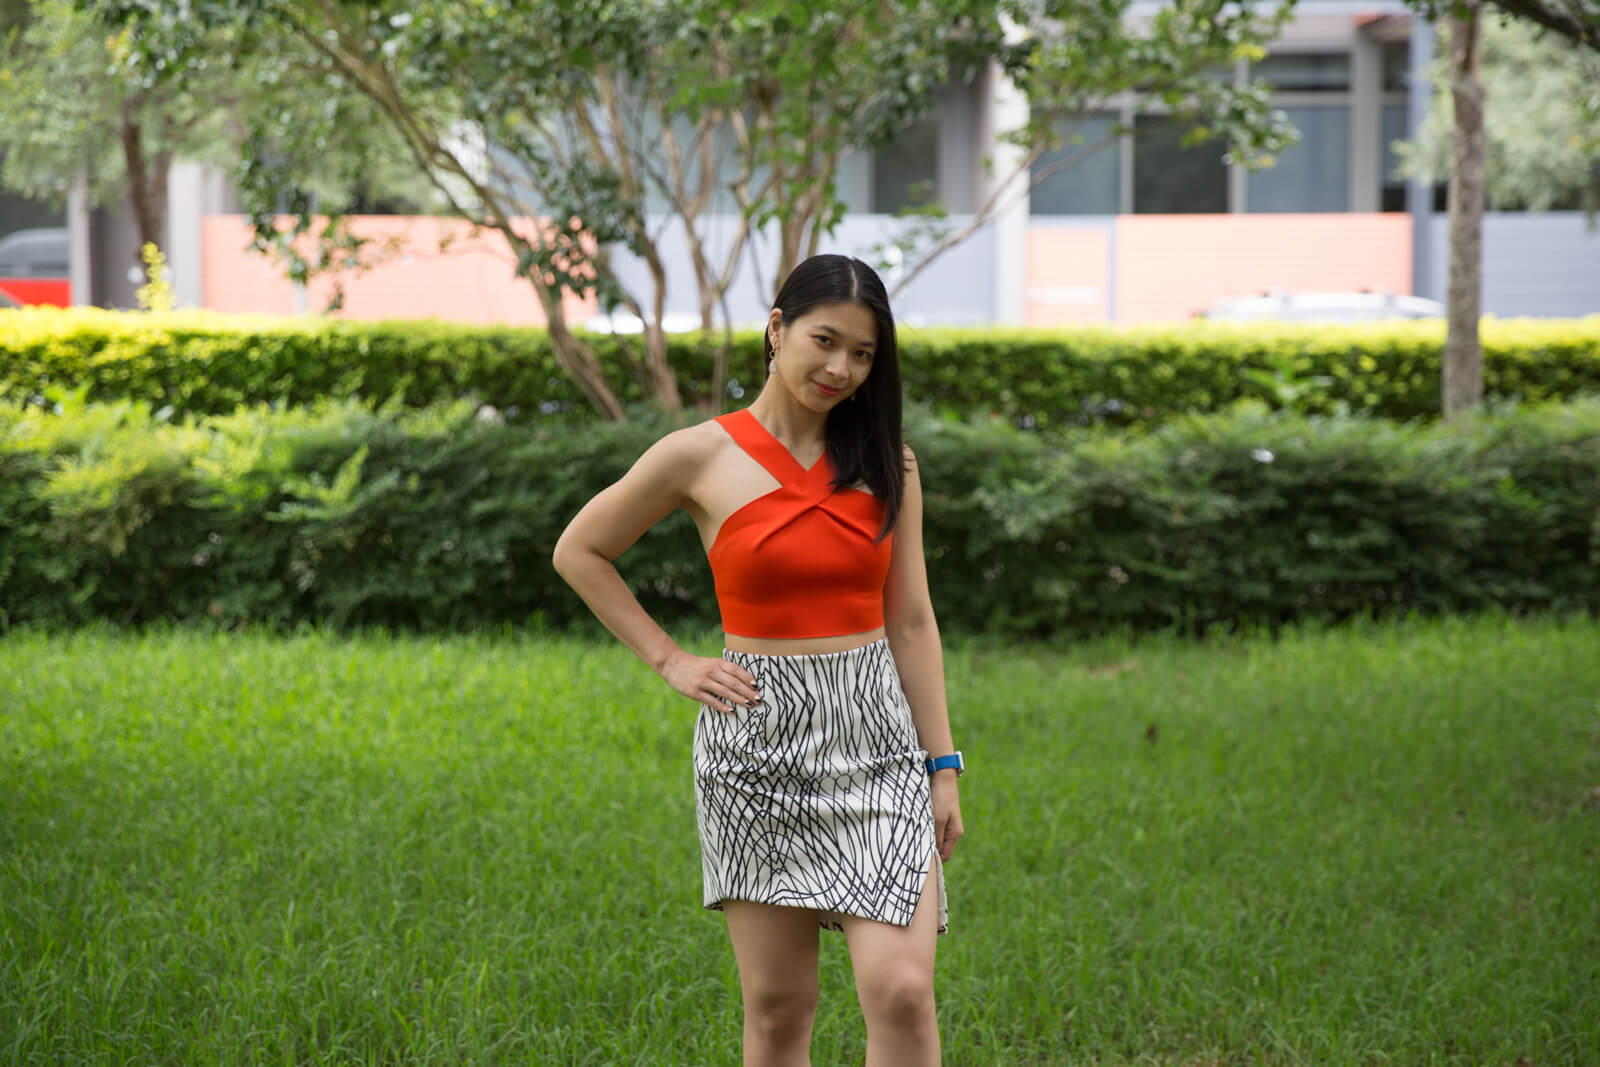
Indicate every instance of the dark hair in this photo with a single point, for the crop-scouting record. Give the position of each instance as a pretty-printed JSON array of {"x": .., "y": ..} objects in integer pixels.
[{"x": 863, "y": 433}]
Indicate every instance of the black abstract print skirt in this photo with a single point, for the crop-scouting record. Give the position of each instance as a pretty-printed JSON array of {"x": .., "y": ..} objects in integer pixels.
[{"x": 818, "y": 796}]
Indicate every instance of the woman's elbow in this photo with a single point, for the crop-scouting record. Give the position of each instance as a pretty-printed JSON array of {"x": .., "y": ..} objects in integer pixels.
[
  {"x": 566, "y": 556},
  {"x": 909, "y": 622}
]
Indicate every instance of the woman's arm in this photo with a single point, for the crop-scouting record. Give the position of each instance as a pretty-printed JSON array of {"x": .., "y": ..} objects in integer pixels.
[
  {"x": 605, "y": 528},
  {"x": 918, "y": 656}
]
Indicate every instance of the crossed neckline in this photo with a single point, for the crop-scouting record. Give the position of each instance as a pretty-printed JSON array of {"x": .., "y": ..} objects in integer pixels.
[
  {"x": 773, "y": 457},
  {"x": 770, "y": 440}
]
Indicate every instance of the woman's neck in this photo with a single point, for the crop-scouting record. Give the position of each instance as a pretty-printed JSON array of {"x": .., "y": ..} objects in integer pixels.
[{"x": 786, "y": 419}]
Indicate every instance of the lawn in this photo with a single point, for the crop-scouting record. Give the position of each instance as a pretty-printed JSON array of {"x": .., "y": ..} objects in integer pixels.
[{"x": 1372, "y": 845}]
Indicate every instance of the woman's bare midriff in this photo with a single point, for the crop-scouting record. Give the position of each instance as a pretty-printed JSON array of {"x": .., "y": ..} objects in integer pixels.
[{"x": 800, "y": 646}]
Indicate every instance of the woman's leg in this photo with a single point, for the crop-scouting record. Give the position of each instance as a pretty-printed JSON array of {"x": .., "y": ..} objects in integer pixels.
[
  {"x": 894, "y": 982},
  {"x": 776, "y": 948}
]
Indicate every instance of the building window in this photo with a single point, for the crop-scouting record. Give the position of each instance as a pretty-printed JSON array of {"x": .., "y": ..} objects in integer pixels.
[
  {"x": 906, "y": 174},
  {"x": 1090, "y": 186},
  {"x": 1396, "y": 66},
  {"x": 1394, "y": 129},
  {"x": 1313, "y": 175},
  {"x": 21, "y": 213},
  {"x": 1305, "y": 72},
  {"x": 1169, "y": 178}
]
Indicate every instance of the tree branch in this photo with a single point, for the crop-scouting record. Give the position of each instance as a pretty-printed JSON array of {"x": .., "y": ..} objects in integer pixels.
[{"x": 1576, "y": 20}]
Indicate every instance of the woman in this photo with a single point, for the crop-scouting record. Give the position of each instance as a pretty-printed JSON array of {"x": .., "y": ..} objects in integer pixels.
[{"x": 817, "y": 803}]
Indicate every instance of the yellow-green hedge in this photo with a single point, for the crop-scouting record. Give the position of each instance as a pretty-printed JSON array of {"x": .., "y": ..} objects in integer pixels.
[{"x": 211, "y": 364}]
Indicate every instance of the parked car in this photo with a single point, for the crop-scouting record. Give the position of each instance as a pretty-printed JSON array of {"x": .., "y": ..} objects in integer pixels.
[
  {"x": 1325, "y": 307},
  {"x": 33, "y": 268}
]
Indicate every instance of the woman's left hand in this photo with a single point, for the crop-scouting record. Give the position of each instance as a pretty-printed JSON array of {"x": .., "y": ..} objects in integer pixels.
[{"x": 946, "y": 814}]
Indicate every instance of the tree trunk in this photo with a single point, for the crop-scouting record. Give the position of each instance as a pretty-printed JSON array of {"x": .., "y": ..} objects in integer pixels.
[
  {"x": 662, "y": 377},
  {"x": 147, "y": 186},
  {"x": 578, "y": 359},
  {"x": 1462, "y": 377},
  {"x": 574, "y": 356}
]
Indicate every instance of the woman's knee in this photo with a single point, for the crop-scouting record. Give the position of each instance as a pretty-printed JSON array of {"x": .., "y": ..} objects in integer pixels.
[
  {"x": 780, "y": 1015},
  {"x": 900, "y": 994}
]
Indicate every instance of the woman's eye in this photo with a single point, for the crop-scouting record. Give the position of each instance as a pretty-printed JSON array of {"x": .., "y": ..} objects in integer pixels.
[{"x": 824, "y": 340}]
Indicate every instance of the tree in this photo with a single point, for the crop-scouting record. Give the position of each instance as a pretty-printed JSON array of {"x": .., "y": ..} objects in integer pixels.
[
  {"x": 1576, "y": 20},
  {"x": 1461, "y": 378},
  {"x": 1579, "y": 22},
  {"x": 1541, "y": 122},
  {"x": 13, "y": 15},
  {"x": 1083, "y": 58},
  {"x": 65, "y": 115},
  {"x": 74, "y": 108},
  {"x": 576, "y": 128}
]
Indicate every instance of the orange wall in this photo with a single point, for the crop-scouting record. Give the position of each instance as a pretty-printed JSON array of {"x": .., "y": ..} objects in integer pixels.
[
  {"x": 1140, "y": 268},
  {"x": 470, "y": 281},
  {"x": 1067, "y": 275},
  {"x": 1168, "y": 267}
]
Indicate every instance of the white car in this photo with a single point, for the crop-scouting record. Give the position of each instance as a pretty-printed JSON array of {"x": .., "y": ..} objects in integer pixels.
[
  {"x": 1325, "y": 307},
  {"x": 627, "y": 322}
]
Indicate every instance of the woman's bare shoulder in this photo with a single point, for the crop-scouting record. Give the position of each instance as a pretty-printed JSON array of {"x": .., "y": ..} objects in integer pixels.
[
  {"x": 681, "y": 456},
  {"x": 694, "y": 445}
]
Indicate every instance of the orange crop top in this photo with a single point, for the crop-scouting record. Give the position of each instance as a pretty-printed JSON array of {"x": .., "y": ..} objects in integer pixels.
[{"x": 799, "y": 561}]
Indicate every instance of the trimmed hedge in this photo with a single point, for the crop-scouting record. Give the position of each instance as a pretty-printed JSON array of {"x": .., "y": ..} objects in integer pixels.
[
  {"x": 436, "y": 518},
  {"x": 198, "y": 363}
]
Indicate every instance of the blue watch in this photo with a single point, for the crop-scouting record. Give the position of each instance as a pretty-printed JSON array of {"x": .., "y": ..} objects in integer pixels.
[{"x": 946, "y": 762}]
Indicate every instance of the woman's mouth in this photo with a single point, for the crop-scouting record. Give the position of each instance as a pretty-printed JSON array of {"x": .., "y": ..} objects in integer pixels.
[{"x": 826, "y": 390}]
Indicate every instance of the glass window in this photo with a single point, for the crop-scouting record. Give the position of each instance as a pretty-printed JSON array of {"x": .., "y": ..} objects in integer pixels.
[
  {"x": 1313, "y": 175},
  {"x": 1396, "y": 66},
  {"x": 906, "y": 174},
  {"x": 1169, "y": 178},
  {"x": 1089, "y": 186},
  {"x": 21, "y": 213},
  {"x": 1394, "y": 129},
  {"x": 1305, "y": 72}
]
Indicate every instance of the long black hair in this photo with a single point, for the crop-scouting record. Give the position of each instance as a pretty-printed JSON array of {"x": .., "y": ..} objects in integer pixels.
[{"x": 863, "y": 433}]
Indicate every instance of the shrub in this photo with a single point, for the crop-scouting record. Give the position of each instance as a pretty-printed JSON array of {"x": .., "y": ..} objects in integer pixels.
[
  {"x": 437, "y": 518},
  {"x": 199, "y": 363}
]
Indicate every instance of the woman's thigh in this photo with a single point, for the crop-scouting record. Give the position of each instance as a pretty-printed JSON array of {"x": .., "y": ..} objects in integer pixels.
[
  {"x": 876, "y": 945},
  {"x": 776, "y": 948}
]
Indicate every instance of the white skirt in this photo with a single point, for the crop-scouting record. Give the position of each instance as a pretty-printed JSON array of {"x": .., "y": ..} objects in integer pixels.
[{"x": 818, "y": 796}]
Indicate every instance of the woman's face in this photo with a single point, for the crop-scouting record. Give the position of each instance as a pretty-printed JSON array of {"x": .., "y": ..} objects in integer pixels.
[{"x": 824, "y": 355}]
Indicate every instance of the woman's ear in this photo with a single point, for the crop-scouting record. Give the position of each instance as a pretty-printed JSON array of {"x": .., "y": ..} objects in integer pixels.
[{"x": 775, "y": 327}]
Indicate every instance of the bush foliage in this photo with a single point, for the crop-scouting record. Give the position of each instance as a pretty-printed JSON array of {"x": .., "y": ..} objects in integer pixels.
[
  {"x": 437, "y": 518},
  {"x": 197, "y": 363}
]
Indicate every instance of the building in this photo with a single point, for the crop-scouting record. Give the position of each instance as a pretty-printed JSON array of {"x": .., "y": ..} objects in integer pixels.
[{"x": 1141, "y": 230}]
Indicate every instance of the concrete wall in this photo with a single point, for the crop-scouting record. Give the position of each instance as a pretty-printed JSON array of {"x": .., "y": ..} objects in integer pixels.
[
  {"x": 116, "y": 271},
  {"x": 1533, "y": 264}
]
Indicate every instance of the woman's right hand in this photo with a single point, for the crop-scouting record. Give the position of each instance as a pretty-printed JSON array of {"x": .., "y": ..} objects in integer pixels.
[{"x": 720, "y": 683}]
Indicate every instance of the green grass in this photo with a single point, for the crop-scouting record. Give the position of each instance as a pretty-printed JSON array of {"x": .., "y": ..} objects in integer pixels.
[{"x": 1372, "y": 845}]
